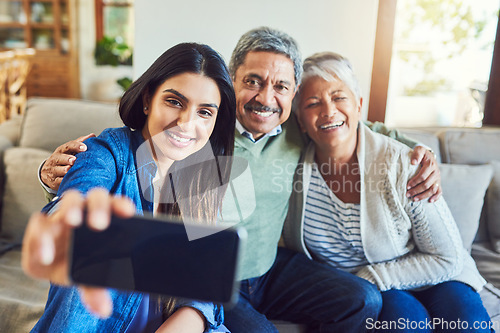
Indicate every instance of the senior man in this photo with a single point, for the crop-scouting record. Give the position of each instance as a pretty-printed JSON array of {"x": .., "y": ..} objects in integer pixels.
[{"x": 277, "y": 283}]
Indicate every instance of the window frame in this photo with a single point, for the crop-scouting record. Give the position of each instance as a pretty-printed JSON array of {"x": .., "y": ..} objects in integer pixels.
[{"x": 99, "y": 14}]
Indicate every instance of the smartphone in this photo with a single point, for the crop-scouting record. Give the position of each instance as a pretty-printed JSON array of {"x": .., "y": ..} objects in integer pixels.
[{"x": 155, "y": 256}]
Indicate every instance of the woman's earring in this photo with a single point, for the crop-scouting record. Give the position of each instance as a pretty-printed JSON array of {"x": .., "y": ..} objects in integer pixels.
[{"x": 146, "y": 110}]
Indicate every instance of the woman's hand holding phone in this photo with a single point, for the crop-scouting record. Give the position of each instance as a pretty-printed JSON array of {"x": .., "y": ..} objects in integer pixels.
[{"x": 45, "y": 253}]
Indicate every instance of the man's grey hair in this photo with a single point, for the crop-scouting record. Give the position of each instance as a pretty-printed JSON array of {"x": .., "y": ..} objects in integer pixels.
[
  {"x": 269, "y": 40},
  {"x": 331, "y": 66}
]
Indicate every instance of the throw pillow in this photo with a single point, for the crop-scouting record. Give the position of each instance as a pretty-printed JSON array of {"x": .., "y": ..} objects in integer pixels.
[
  {"x": 464, "y": 189},
  {"x": 493, "y": 200}
]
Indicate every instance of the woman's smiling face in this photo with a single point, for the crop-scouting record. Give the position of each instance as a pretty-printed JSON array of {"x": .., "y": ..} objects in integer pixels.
[
  {"x": 181, "y": 115},
  {"x": 328, "y": 111}
]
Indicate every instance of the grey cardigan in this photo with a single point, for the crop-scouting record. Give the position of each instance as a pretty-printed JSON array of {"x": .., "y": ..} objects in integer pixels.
[{"x": 401, "y": 253}]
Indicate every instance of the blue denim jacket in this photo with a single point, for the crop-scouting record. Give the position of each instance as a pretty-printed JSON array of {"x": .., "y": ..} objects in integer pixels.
[{"x": 109, "y": 162}]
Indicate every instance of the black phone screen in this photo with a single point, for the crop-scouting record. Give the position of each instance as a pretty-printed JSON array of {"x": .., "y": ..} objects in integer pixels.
[{"x": 147, "y": 255}]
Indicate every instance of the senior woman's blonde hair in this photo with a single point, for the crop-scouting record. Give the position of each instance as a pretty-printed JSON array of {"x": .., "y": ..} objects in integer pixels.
[{"x": 330, "y": 66}]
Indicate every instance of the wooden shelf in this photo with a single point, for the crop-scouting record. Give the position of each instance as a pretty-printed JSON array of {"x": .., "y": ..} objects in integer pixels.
[
  {"x": 43, "y": 26},
  {"x": 11, "y": 25},
  {"x": 55, "y": 67}
]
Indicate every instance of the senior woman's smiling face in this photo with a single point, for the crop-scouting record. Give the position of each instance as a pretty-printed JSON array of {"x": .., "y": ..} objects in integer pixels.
[{"x": 329, "y": 112}]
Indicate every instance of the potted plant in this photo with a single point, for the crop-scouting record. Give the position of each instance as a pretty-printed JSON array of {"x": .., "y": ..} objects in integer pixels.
[
  {"x": 117, "y": 55},
  {"x": 112, "y": 51}
]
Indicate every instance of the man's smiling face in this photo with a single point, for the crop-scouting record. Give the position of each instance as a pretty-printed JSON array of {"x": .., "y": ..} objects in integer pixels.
[{"x": 265, "y": 86}]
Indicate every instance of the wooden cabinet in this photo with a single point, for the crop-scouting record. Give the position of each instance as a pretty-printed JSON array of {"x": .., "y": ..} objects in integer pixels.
[{"x": 48, "y": 26}]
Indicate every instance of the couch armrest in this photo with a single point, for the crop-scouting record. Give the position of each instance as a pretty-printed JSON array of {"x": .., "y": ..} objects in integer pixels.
[
  {"x": 5, "y": 144},
  {"x": 10, "y": 131}
]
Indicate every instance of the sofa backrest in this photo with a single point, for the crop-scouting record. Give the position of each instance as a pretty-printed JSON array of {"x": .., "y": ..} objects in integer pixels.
[
  {"x": 426, "y": 137},
  {"x": 46, "y": 124},
  {"x": 49, "y": 122},
  {"x": 470, "y": 145}
]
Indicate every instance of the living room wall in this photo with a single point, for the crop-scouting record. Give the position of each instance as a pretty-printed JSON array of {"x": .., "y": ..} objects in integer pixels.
[{"x": 346, "y": 27}]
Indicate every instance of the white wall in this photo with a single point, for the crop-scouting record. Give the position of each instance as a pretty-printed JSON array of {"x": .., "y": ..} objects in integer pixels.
[{"x": 346, "y": 27}]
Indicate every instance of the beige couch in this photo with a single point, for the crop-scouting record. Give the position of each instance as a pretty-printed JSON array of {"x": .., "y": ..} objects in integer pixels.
[{"x": 25, "y": 141}]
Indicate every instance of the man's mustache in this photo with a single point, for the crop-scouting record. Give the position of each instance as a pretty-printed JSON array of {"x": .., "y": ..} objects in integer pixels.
[{"x": 261, "y": 108}]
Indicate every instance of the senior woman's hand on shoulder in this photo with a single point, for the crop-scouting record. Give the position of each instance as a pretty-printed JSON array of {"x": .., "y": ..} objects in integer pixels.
[{"x": 45, "y": 253}]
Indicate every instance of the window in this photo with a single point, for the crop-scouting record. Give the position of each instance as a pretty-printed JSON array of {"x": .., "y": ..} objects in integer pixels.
[
  {"x": 115, "y": 18},
  {"x": 441, "y": 61}
]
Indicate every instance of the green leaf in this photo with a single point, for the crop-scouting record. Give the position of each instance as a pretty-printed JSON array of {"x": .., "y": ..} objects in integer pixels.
[{"x": 112, "y": 51}]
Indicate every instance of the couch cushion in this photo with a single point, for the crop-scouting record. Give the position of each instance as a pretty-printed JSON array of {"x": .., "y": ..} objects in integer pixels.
[
  {"x": 470, "y": 146},
  {"x": 46, "y": 121},
  {"x": 491, "y": 301},
  {"x": 464, "y": 189},
  {"x": 487, "y": 262},
  {"x": 426, "y": 138},
  {"x": 11, "y": 129},
  {"x": 482, "y": 234},
  {"x": 22, "y": 193},
  {"x": 22, "y": 299},
  {"x": 493, "y": 208}
]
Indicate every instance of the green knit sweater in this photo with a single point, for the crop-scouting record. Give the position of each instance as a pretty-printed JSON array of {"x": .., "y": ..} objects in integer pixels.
[{"x": 262, "y": 193}]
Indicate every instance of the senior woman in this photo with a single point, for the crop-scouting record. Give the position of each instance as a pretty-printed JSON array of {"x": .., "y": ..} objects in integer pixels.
[{"x": 350, "y": 211}]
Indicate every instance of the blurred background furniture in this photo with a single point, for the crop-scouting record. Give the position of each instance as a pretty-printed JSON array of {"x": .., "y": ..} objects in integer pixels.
[
  {"x": 5, "y": 63},
  {"x": 14, "y": 70},
  {"x": 15, "y": 67},
  {"x": 49, "y": 27},
  {"x": 17, "y": 78}
]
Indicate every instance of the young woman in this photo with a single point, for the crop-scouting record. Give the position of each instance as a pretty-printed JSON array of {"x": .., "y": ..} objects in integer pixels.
[
  {"x": 353, "y": 212},
  {"x": 179, "y": 114}
]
